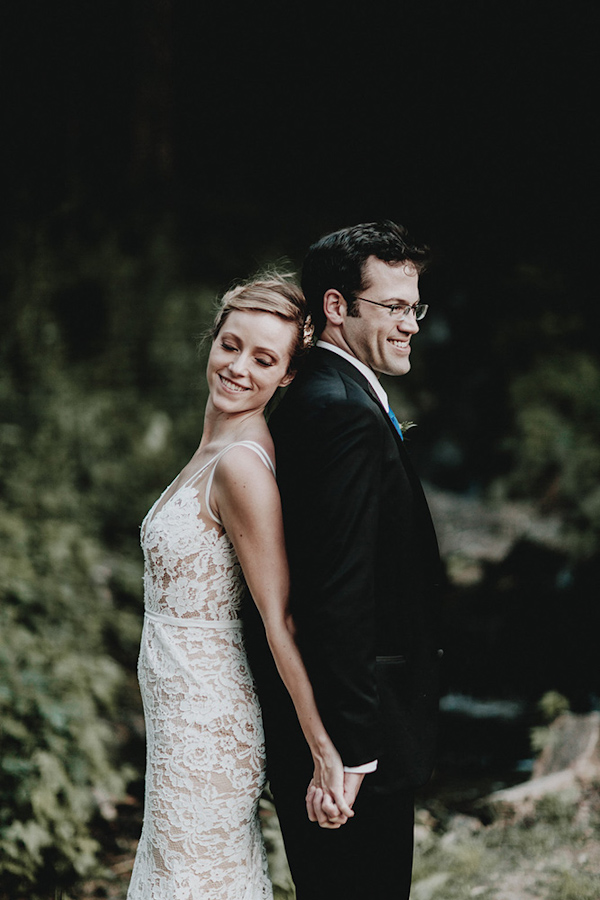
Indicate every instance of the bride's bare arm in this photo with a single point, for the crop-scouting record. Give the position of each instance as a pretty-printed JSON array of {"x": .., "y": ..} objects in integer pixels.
[{"x": 247, "y": 501}]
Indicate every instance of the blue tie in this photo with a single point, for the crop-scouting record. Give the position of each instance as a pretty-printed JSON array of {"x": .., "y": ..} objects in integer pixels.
[{"x": 396, "y": 422}]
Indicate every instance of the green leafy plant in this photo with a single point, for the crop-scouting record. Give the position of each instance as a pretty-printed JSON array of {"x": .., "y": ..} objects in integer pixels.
[
  {"x": 556, "y": 448},
  {"x": 85, "y": 445}
]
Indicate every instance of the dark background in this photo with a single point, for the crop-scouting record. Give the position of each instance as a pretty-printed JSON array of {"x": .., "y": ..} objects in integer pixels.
[
  {"x": 246, "y": 132},
  {"x": 258, "y": 127},
  {"x": 153, "y": 152}
]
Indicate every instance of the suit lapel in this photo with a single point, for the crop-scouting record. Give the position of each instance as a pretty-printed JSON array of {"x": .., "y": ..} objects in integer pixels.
[
  {"x": 328, "y": 357},
  {"x": 320, "y": 357}
]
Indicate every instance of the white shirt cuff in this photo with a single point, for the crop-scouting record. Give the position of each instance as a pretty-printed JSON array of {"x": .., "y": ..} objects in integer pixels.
[{"x": 364, "y": 769}]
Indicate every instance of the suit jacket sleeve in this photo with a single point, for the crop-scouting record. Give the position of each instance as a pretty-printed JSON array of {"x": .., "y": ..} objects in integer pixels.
[{"x": 333, "y": 570}]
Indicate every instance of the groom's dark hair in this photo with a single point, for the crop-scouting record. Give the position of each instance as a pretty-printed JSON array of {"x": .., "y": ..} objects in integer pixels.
[{"x": 337, "y": 260}]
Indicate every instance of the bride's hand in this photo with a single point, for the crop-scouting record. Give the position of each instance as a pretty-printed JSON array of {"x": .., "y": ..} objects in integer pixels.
[{"x": 325, "y": 800}]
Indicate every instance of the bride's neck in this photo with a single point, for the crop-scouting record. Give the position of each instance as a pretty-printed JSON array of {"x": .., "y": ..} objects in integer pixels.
[{"x": 221, "y": 428}]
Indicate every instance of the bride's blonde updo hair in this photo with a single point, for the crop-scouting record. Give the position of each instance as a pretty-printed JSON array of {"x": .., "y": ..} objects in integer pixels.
[{"x": 273, "y": 292}]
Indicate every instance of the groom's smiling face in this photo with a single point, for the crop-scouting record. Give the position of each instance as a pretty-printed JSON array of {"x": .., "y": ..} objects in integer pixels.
[{"x": 373, "y": 336}]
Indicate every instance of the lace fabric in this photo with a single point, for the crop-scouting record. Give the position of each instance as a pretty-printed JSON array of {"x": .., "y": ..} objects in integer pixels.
[{"x": 205, "y": 748}]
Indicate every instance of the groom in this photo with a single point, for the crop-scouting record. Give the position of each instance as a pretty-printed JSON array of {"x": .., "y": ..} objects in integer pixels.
[{"x": 365, "y": 573}]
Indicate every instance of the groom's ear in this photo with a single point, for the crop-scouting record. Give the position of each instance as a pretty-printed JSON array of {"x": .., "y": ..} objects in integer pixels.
[{"x": 334, "y": 307}]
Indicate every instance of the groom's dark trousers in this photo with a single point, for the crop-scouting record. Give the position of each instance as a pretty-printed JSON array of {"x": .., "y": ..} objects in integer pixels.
[{"x": 365, "y": 577}]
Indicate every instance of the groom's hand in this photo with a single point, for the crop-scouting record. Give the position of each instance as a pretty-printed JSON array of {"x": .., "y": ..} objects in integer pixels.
[{"x": 352, "y": 783}]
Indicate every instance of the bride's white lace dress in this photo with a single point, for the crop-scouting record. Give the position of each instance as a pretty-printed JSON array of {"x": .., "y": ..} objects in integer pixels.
[{"x": 205, "y": 750}]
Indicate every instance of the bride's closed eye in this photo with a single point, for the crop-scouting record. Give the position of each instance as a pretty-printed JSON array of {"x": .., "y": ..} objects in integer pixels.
[{"x": 262, "y": 361}]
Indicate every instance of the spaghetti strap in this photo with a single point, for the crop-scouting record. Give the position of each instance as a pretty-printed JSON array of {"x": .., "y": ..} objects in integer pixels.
[
  {"x": 192, "y": 478},
  {"x": 252, "y": 445}
]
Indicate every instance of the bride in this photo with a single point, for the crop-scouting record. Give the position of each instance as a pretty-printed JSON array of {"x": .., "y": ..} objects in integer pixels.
[{"x": 217, "y": 528}]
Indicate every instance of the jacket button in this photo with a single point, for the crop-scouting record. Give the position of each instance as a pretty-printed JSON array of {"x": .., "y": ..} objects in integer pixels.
[{"x": 440, "y": 654}]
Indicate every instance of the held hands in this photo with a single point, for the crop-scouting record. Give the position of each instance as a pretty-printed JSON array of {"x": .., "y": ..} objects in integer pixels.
[{"x": 330, "y": 802}]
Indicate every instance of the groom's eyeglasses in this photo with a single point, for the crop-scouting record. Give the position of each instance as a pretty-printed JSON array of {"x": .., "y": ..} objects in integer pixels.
[{"x": 401, "y": 310}]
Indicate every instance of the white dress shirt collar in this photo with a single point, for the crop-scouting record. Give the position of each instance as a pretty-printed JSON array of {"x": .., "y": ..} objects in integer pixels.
[{"x": 362, "y": 368}]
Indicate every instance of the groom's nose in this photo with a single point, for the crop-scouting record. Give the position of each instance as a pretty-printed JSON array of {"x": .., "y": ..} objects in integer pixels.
[{"x": 408, "y": 324}]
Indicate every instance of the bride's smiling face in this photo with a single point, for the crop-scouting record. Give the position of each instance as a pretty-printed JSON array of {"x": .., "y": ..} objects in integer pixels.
[{"x": 249, "y": 360}]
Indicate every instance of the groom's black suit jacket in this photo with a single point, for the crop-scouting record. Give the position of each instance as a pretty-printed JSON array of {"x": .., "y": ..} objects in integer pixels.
[{"x": 365, "y": 577}]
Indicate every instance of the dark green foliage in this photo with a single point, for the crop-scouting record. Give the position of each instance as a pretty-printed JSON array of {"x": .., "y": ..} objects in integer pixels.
[
  {"x": 556, "y": 447},
  {"x": 59, "y": 687},
  {"x": 87, "y": 439}
]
